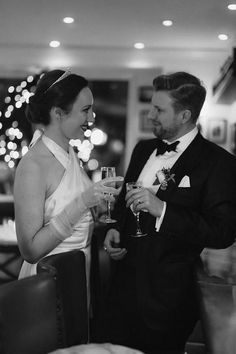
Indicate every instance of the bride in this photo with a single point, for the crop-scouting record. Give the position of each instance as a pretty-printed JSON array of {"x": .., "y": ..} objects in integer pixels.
[{"x": 53, "y": 196}]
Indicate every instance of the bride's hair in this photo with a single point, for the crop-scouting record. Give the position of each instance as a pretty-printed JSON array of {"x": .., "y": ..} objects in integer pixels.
[{"x": 56, "y": 88}]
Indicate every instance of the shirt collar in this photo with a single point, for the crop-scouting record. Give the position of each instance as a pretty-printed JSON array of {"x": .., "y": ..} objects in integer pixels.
[{"x": 185, "y": 139}]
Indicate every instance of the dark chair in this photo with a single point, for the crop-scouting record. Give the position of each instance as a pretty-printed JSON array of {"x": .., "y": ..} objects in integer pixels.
[
  {"x": 72, "y": 292},
  {"x": 29, "y": 316}
]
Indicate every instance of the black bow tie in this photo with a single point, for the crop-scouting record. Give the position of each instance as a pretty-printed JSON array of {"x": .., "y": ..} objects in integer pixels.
[{"x": 162, "y": 147}]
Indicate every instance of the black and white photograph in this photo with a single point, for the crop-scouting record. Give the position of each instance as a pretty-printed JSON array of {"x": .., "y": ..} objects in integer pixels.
[{"x": 118, "y": 177}]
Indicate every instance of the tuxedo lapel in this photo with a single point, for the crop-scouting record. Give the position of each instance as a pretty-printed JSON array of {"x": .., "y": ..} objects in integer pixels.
[
  {"x": 140, "y": 159},
  {"x": 183, "y": 166}
]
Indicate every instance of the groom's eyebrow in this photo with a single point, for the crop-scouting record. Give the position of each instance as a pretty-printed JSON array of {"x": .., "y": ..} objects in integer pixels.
[{"x": 157, "y": 106}]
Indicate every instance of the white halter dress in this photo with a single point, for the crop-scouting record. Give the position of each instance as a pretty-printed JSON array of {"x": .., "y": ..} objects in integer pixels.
[{"x": 74, "y": 180}]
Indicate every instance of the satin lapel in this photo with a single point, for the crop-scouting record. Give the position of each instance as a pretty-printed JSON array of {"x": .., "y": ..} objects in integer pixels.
[
  {"x": 140, "y": 160},
  {"x": 183, "y": 166}
]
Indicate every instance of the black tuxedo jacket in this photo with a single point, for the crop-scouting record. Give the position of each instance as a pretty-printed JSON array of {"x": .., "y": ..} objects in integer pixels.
[{"x": 202, "y": 215}]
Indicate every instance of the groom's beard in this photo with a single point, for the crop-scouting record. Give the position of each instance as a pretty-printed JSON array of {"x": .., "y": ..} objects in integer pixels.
[{"x": 167, "y": 133}]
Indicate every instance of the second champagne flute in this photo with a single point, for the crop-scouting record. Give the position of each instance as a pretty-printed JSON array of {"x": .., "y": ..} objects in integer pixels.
[
  {"x": 108, "y": 172},
  {"x": 129, "y": 186}
]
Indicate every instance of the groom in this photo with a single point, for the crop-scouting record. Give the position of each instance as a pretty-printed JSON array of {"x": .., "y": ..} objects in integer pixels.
[{"x": 187, "y": 202}]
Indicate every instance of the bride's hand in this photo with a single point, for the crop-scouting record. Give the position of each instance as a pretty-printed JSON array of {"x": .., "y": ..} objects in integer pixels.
[{"x": 100, "y": 191}]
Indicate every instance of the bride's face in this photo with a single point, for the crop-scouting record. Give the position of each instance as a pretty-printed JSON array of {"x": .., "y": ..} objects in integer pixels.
[{"x": 74, "y": 123}]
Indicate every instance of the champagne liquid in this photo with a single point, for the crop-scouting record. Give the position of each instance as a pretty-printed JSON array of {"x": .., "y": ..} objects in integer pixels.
[
  {"x": 105, "y": 173},
  {"x": 108, "y": 172}
]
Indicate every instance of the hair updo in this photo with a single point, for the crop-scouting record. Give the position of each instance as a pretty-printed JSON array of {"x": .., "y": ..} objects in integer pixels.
[{"x": 50, "y": 93}]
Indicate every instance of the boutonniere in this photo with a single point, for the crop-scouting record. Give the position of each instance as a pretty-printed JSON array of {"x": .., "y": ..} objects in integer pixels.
[{"x": 164, "y": 176}]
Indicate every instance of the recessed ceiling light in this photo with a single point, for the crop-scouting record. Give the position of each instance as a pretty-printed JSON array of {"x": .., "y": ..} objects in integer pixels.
[
  {"x": 139, "y": 45},
  {"x": 54, "y": 44},
  {"x": 223, "y": 37},
  {"x": 68, "y": 19},
  {"x": 232, "y": 6},
  {"x": 167, "y": 23}
]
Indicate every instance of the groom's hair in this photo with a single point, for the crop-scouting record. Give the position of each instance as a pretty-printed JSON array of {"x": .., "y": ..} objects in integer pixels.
[{"x": 186, "y": 90}]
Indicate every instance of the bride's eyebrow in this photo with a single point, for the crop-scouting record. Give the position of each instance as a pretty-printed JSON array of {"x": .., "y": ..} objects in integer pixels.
[{"x": 87, "y": 106}]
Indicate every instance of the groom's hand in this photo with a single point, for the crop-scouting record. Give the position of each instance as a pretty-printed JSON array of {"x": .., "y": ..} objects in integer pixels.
[
  {"x": 112, "y": 245},
  {"x": 144, "y": 199}
]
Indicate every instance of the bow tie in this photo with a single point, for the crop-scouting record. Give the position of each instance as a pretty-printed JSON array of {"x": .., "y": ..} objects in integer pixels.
[{"x": 162, "y": 147}]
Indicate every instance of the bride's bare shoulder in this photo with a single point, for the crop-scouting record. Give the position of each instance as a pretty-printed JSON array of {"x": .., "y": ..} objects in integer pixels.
[{"x": 34, "y": 161}]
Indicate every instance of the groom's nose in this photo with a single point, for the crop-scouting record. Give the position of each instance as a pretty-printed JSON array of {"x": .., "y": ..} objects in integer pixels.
[{"x": 152, "y": 114}]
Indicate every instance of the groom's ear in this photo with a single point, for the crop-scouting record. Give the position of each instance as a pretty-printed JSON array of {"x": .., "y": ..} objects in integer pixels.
[{"x": 186, "y": 116}]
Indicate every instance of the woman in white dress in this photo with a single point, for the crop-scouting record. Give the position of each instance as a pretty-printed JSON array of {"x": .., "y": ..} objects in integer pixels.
[{"x": 53, "y": 195}]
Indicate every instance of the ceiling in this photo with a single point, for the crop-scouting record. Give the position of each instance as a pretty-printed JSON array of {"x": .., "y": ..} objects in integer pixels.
[{"x": 105, "y": 28}]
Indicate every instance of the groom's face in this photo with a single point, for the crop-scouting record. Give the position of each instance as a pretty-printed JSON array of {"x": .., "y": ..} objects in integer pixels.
[{"x": 166, "y": 122}]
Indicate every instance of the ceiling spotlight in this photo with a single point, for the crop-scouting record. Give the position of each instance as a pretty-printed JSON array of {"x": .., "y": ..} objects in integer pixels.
[
  {"x": 68, "y": 20},
  {"x": 167, "y": 23},
  {"x": 223, "y": 37},
  {"x": 139, "y": 45},
  {"x": 232, "y": 6},
  {"x": 54, "y": 44}
]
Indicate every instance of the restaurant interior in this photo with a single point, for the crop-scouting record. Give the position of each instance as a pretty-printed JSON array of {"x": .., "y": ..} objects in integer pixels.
[{"x": 119, "y": 46}]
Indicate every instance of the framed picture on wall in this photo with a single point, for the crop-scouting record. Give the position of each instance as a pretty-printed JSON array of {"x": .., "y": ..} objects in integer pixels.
[
  {"x": 145, "y": 124},
  {"x": 217, "y": 129},
  {"x": 145, "y": 94}
]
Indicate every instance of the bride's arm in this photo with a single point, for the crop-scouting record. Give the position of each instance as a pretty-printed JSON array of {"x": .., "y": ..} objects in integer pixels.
[{"x": 34, "y": 239}]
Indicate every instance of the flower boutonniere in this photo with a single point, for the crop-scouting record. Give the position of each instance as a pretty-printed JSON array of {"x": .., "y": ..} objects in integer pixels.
[{"x": 164, "y": 176}]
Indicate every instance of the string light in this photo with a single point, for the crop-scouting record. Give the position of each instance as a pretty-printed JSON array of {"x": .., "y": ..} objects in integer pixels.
[{"x": 13, "y": 142}]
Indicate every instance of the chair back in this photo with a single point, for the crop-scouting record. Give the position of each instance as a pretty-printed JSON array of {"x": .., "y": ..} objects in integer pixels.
[
  {"x": 28, "y": 316},
  {"x": 72, "y": 291},
  {"x": 218, "y": 313}
]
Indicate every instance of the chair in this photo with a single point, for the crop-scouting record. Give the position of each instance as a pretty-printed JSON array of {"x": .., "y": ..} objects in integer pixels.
[
  {"x": 72, "y": 292},
  {"x": 29, "y": 316},
  {"x": 218, "y": 313}
]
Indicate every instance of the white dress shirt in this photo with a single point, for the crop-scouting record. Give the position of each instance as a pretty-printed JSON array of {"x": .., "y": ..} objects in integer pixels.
[{"x": 167, "y": 160}]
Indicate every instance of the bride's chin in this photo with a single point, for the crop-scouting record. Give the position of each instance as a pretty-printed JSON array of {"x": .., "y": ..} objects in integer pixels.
[{"x": 79, "y": 135}]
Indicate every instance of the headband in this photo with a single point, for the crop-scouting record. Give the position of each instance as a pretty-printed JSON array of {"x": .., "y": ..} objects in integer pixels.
[{"x": 63, "y": 76}]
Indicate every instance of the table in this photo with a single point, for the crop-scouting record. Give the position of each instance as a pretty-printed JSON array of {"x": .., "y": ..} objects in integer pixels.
[{"x": 105, "y": 348}]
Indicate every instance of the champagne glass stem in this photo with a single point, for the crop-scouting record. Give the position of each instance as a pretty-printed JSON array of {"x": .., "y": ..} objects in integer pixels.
[
  {"x": 139, "y": 231},
  {"x": 108, "y": 209}
]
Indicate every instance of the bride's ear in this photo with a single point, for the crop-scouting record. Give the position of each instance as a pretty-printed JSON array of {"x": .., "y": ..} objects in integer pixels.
[{"x": 57, "y": 113}]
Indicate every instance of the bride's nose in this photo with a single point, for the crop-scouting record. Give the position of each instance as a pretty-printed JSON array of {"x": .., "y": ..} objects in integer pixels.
[{"x": 91, "y": 116}]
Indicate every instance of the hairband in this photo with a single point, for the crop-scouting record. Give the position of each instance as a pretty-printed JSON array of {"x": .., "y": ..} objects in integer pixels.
[{"x": 63, "y": 76}]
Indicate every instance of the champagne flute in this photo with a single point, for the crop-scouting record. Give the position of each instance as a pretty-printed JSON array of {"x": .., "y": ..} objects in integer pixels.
[
  {"x": 108, "y": 172},
  {"x": 129, "y": 186}
]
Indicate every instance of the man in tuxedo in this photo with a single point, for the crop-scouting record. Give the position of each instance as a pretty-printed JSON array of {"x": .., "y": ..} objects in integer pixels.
[{"x": 187, "y": 202}]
